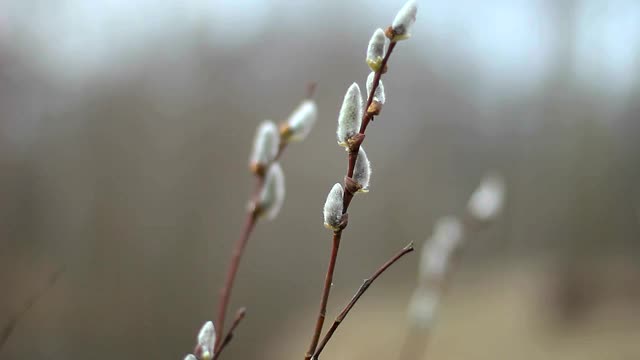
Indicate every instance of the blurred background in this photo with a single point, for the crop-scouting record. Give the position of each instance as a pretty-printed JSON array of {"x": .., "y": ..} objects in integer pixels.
[{"x": 125, "y": 129}]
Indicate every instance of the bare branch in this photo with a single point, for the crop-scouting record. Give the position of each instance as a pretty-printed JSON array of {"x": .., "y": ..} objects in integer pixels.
[
  {"x": 363, "y": 288},
  {"x": 8, "y": 329}
]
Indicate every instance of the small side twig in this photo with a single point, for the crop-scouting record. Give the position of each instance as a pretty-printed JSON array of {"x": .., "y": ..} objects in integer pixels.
[
  {"x": 8, "y": 329},
  {"x": 363, "y": 288},
  {"x": 227, "y": 339}
]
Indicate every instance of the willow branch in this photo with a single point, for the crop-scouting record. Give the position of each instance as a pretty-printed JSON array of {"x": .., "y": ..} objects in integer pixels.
[
  {"x": 416, "y": 341},
  {"x": 241, "y": 243},
  {"x": 363, "y": 288},
  {"x": 366, "y": 118},
  {"x": 225, "y": 293},
  {"x": 347, "y": 197}
]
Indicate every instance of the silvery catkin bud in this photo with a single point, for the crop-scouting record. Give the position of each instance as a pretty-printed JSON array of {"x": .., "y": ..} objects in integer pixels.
[
  {"x": 487, "y": 200},
  {"x": 437, "y": 250},
  {"x": 379, "y": 95},
  {"x": 362, "y": 171},
  {"x": 300, "y": 122},
  {"x": 447, "y": 233},
  {"x": 265, "y": 146},
  {"x": 272, "y": 194},
  {"x": 206, "y": 342},
  {"x": 375, "y": 50},
  {"x": 403, "y": 21},
  {"x": 333, "y": 208},
  {"x": 350, "y": 115},
  {"x": 190, "y": 357},
  {"x": 433, "y": 262}
]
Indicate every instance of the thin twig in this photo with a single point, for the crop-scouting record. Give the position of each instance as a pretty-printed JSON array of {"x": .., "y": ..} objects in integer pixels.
[
  {"x": 347, "y": 197},
  {"x": 363, "y": 288},
  {"x": 225, "y": 293},
  {"x": 227, "y": 339},
  {"x": 328, "y": 281},
  {"x": 8, "y": 329}
]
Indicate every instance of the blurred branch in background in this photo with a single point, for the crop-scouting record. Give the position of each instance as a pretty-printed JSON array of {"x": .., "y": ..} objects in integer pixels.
[
  {"x": 441, "y": 254},
  {"x": 9, "y": 327}
]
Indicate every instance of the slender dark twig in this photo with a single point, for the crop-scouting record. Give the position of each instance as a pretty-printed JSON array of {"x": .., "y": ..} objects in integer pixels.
[
  {"x": 363, "y": 288},
  {"x": 347, "y": 197},
  {"x": 227, "y": 339},
  {"x": 325, "y": 293},
  {"x": 8, "y": 329},
  {"x": 225, "y": 293}
]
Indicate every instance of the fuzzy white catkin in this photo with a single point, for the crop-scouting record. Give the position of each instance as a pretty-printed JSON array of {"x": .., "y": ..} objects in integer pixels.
[
  {"x": 422, "y": 307},
  {"x": 273, "y": 191},
  {"x": 350, "y": 115},
  {"x": 375, "y": 50},
  {"x": 190, "y": 357},
  {"x": 302, "y": 119},
  {"x": 437, "y": 250},
  {"x": 433, "y": 262},
  {"x": 487, "y": 200},
  {"x": 404, "y": 20},
  {"x": 362, "y": 170},
  {"x": 448, "y": 233},
  {"x": 265, "y": 143},
  {"x": 207, "y": 341},
  {"x": 379, "y": 95},
  {"x": 333, "y": 207}
]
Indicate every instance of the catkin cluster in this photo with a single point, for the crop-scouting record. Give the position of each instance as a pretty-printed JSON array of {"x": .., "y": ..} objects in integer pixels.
[
  {"x": 350, "y": 133},
  {"x": 448, "y": 236},
  {"x": 268, "y": 144}
]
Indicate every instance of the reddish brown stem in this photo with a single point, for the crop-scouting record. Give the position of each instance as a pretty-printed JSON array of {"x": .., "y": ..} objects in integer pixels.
[
  {"x": 363, "y": 288},
  {"x": 225, "y": 293},
  {"x": 227, "y": 339},
  {"x": 325, "y": 294},
  {"x": 346, "y": 200}
]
